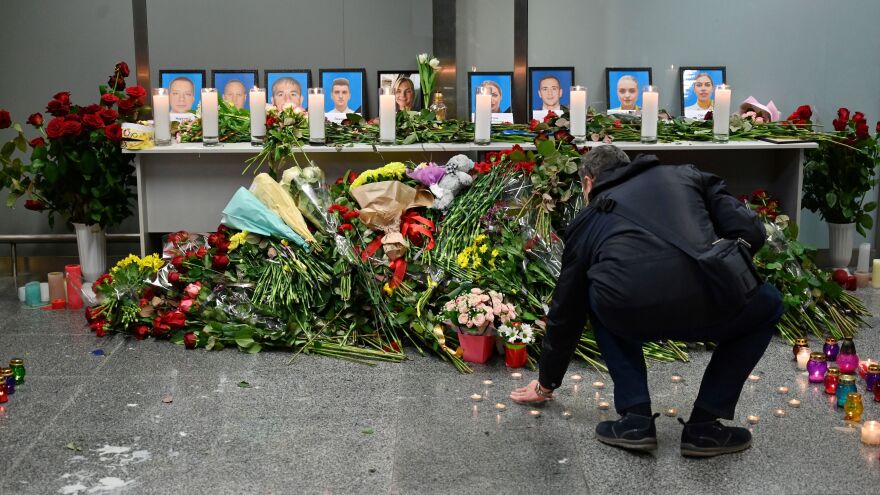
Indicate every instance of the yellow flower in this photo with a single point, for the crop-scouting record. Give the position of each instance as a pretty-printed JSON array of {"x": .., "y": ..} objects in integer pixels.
[
  {"x": 387, "y": 290},
  {"x": 492, "y": 262},
  {"x": 284, "y": 242},
  {"x": 131, "y": 258},
  {"x": 151, "y": 262},
  {"x": 495, "y": 253},
  {"x": 480, "y": 238},
  {"x": 237, "y": 239},
  {"x": 484, "y": 248},
  {"x": 477, "y": 262},
  {"x": 392, "y": 171}
]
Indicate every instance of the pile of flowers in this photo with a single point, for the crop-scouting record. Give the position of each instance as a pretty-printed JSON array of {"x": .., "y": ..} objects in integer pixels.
[{"x": 517, "y": 333}]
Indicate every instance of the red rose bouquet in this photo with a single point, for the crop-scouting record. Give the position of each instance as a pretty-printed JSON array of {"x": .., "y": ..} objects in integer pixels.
[{"x": 76, "y": 167}]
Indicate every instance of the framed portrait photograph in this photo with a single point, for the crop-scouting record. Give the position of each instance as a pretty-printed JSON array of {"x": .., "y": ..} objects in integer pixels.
[
  {"x": 623, "y": 88},
  {"x": 234, "y": 85},
  {"x": 184, "y": 89},
  {"x": 345, "y": 91},
  {"x": 500, "y": 85},
  {"x": 406, "y": 86},
  {"x": 548, "y": 90},
  {"x": 285, "y": 86},
  {"x": 698, "y": 89}
]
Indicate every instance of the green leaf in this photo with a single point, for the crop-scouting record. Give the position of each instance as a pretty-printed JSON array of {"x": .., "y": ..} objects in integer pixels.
[
  {"x": 869, "y": 207},
  {"x": 368, "y": 431},
  {"x": 831, "y": 199},
  {"x": 244, "y": 337},
  {"x": 244, "y": 384},
  {"x": 411, "y": 138},
  {"x": 866, "y": 221}
]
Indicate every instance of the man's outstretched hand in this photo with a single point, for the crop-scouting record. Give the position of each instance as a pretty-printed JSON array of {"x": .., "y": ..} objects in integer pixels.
[{"x": 528, "y": 395}]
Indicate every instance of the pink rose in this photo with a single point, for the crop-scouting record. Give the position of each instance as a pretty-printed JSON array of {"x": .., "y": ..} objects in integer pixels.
[
  {"x": 192, "y": 290},
  {"x": 462, "y": 319},
  {"x": 185, "y": 305},
  {"x": 479, "y": 320}
]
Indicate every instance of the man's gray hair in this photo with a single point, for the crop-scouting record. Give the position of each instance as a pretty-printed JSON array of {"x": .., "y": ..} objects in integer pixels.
[{"x": 600, "y": 159}]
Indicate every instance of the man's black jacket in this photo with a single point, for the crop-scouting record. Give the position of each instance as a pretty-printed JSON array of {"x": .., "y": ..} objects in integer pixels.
[{"x": 637, "y": 285}]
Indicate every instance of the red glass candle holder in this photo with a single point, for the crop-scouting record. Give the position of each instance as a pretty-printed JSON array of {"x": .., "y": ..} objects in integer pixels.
[
  {"x": 515, "y": 355},
  {"x": 832, "y": 376}
]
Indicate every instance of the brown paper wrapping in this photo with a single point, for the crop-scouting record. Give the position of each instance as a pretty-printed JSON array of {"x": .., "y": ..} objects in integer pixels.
[
  {"x": 57, "y": 287},
  {"x": 382, "y": 204}
]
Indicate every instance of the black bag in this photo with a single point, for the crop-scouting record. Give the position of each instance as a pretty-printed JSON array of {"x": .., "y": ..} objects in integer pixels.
[{"x": 727, "y": 265}]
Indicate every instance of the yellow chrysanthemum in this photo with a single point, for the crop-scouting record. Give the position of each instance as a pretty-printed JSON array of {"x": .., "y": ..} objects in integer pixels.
[
  {"x": 387, "y": 290},
  {"x": 152, "y": 262},
  {"x": 484, "y": 248},
  {"x": 131, "y": 258},
  {"x": 495, "y": 253},
  {"x": 237, "y": 239},
  {"x": 392, "y": 171}
]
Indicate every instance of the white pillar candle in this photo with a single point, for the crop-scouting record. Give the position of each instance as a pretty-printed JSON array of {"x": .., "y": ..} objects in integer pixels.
[
  {"x": 316, "y": 115},
  {"x": 483, "y": 116},
  {"x": 864, "y": 257},
  {"x": 721, "y": 113},
  {"x": 210, "y": 117},
  {"x": 577, "y": 113},
  {"x": 875, "y": 276},
  {"x": 257, "y": 102},
  {"x": 871, "y": 433},
  {"x": 387, "y": 115},
  {"x": 650, "y": 108},
  {"x": 161, "y": 117},
  {"x": 803, "y": 356}
]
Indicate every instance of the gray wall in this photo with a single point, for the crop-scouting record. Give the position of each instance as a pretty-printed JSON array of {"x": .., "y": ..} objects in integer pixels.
[{"x": 793, "y": 51}]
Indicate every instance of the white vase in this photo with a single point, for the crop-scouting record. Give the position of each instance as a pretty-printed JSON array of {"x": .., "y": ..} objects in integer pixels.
[
  {"x": 92, "y": 246},
  {"x": 840, "y": 237}
]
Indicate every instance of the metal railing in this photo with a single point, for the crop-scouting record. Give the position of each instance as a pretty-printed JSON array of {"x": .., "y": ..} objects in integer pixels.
[{"x": 14, "y": 239}]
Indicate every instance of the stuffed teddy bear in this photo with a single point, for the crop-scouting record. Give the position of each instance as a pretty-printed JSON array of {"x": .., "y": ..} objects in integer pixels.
[{"x": 456, "y": 179}]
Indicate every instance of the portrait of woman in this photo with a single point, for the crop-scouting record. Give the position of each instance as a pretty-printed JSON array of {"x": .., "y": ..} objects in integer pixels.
[
  {"x": 499, "y": 85},
  {"x": 406, "y": 88},
  {"x": 698, "y": 89},
  {"x": 624, "y": 88}
]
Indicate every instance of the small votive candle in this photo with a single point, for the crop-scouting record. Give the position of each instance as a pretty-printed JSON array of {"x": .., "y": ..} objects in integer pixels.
[
  {"x": 779, "y": 413},
  {"x": 831, "y": 349},
  {"x": 847, "y": 359},
  {"x": 576, "y": 378},
  {"x": 853, "y": 408},
  {"x": 863, "y": 367},
  {"x": 782, "y": 390},
  {"x": 863, "y": 279},
  {"x": 476, "y": 397},
  {"x": 672, "y": 412},
  {"x": 534, "y": 413},
  {"x": 845, "y": 386},
  {"x": 872, "y": 378},
  {"x": 832, "y": 376},
  {"x": 803, "y": 357},
  {"x": 798, "y": 343},
  {"x": 677, "y": 379},
  {"x": 500, "y": 407},
  {"x": 754, "y": 378},
  {"x": 516, "y": 376},
  {"x": 871, "y": 433},
  {"x": 753, "y": 419},
  {"x": 488, "y": 382},
  {"x": 603, "y": 405},
  {"x": 816, "y": 367},
  {"x": 566, "y": 414},
  {"x": 794, "y": 403},
  {"x": 17, "y": 367},
  {"x": 598, "y": 385},
  {"x": 7, "y": 376}
]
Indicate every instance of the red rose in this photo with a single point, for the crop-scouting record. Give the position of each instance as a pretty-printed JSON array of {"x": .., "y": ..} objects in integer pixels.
[
  {"x": 219, "y": 261},
  {"x": 223, "y": 246},
  {"x": 839, "y": 125},
  {"x": 55, "y": 128},
  {"x": 140, "y": 332},
  {"x": 72, "y": 117},
  {"x": 346, "y": 226},
  {"x": 108, "y": 115},
  {"x": 57, "y": 108},
  {"x": 96, "y": 324},
  {"x": 136, "y": 92},
  {"x": 843, "y": 114},
  {"x": 72, "y": 128},
  {"x": 117, "y": 83},
  {"x": 174, "y": 319},
  {"x": 177, "y": 262},
  {"x": 877, "y": 129},
  {"x": 122, "y": 69},
  {"x": 126, "y": 106},
  {"x": 109, "y": 99},
  {"x": 5, "y": 119},
  {"x": 550, "y": 115},
  {"x": 213, "y": 239},
  {"x": 804, "y": 112},
  {"x": 270, "y": 121},
  {"x": 99, "y": 332},
  {"x": 858, "y": 116},
  {"x": 93, "y": 121},
  {"x": 202, "y": 252},
  {"x": 89, "y": 109},
  {"x": 89, "y": 314},
  {"x": 190, "y": 340},
  {"x": 352, "y": 214},
  {"x": 862, "y": 129},
  {"x": 36, "y": 119},
  {"x": 113, "y": 132},
  {"x": 174, "y": 277},
  {"x": 63, "y": 97},
  {"x": 34, "y": 204},
  {"x": 533, "y": 124},
  {"x": 759, "y": 193},
  {"x": 37, "y": 142},
  {"x": 483, "y": 167},
  {"x": 222, "y": 229}
]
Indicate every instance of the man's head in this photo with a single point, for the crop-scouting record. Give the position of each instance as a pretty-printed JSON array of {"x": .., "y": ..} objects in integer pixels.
[
  {"x": 550, "y": 90},
  {"x": 286, "y": 90},
  {"x": 234, "y": 93},
  {"x": 183, "y": 95},
  {"x": 341, "y": 93},
  {"x": 596, "y": 162}
]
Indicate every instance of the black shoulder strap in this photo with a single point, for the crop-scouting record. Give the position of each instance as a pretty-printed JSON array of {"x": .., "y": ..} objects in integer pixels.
[{"x": 608, "y": 205}]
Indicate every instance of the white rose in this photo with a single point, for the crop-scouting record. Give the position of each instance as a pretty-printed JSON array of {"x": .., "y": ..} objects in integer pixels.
[
  {"x": 311, "y": 174},
  {"x": 290, "y": 175},
  {"x": 435, "y": 64},
  {"x": 423, "y": 57},
  {"x": 288, "y": 105}
]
